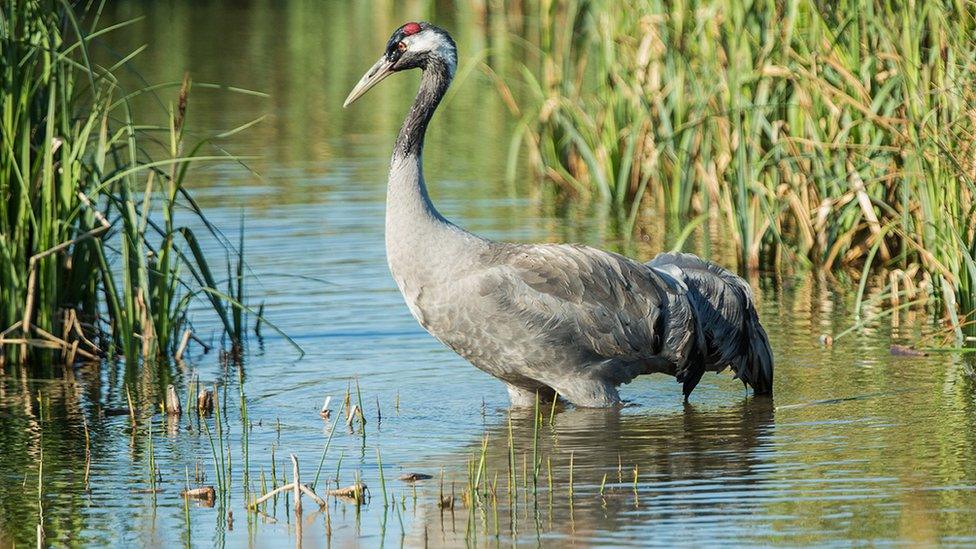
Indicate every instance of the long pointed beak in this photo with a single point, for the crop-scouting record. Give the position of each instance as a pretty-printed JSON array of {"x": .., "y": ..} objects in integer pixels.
[{"x": 373, "y": 76}]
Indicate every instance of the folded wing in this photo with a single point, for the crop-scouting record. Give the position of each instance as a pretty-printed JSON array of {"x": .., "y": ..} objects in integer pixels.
[{"x": 618, "y": 313}]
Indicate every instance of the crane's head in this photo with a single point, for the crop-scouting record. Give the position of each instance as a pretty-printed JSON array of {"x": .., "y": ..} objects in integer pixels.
[{"x": 412, "y": 46}]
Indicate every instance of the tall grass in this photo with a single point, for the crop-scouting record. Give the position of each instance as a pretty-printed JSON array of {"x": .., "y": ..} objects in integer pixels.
[
  {"x": 820, "y": 135},
  {"x": 93, "y": 260}
]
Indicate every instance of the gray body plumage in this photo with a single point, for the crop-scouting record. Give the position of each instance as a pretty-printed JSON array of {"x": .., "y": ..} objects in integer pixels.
[{"x": 556, "y": 318}]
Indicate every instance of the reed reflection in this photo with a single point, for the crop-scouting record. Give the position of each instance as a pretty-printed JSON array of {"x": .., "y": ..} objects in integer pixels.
[{"x": 694, "y": 463}]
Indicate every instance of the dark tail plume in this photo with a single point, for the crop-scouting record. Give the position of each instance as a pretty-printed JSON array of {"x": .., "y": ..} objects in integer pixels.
[
  {"x": 727, "y": 326},
  {"x": 755, "y": 367}
]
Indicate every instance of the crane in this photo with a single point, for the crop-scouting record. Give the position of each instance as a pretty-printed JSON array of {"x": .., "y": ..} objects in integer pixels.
[{"x": 551, "y": 320}]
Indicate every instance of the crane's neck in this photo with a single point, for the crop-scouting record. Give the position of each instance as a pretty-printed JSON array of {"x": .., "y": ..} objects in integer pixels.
[
  {"x": 407, "y": 199},
  {"x": 437, "y": 76},
  {"x": 417, "y": 235}
]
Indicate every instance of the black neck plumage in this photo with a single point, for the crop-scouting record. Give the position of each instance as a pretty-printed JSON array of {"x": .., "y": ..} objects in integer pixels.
[{"x": 436, "y": 78}]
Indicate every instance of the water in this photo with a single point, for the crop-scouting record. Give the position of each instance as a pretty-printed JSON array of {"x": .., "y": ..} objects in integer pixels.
[{"x": 859, "y": 447}]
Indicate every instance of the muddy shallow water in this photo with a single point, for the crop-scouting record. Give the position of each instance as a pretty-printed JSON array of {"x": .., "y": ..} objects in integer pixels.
[{"x": 859, "y": 446}]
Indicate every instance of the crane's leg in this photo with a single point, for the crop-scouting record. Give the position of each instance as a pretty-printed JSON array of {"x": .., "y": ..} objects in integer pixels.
[
  {"x": 589, "y": 393},
  {"x": 524, "y": 397}
]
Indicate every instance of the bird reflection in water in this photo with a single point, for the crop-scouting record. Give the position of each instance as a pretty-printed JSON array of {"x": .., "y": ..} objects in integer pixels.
[{"x": 695, "y": 464}]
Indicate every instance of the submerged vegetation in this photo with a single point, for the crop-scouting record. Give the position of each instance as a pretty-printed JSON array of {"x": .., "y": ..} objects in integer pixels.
[
  {"x": 812, "y": 135},
  {"x": 92, "y": 259}
]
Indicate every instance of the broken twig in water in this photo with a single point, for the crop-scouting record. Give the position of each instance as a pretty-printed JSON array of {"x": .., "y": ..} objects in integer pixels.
[
  {"x": 308, "y": 492},
  {"x": 354, "y": 492},
  {"x": 352, "y": 415},
  {"x": 173, "y": 406},
  {"x": 325, "y": 412},
  {"x": 270, "y": 495},
  {"x": 296, "y": 484},
  {"x": 205, "y": 401},
  {"x": 206, "y": 494},
  {"x": 184, "y": 341},
  {"x": 295, "y": 487}
]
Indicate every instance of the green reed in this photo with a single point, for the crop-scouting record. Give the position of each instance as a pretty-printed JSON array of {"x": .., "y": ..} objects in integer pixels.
[
  {"x": 93, "y": 258},
  {"x": 245, "y": 435},
  {"x": 222, "y": 447},
  {"x": 806, "y": 134},
  {"x": 512, "y": 471},
  {"x": 221, "y": 487},
  {"x": 40, "y": 498},
  {"x": 325, "y": 451},
  {"x": 536, "y": 457},
  {"x": 571, "y": 456},
  {"x": 187, "y": 534},
  {"x": 379, "y": 465},
  {"x": 152, "y": 458}
]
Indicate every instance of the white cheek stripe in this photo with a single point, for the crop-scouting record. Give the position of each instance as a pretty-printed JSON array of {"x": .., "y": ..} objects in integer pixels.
[
  {"x": 423, "y": 41},
  {"x": 431, "y": 41}
]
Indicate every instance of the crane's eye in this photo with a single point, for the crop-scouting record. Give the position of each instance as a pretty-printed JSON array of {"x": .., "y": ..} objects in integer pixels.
[{"x": 402, "y": 46}]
